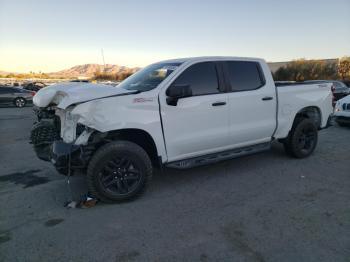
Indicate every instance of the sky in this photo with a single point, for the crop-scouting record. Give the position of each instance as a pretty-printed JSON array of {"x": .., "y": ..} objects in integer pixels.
[{"x": 49, "y": 35}]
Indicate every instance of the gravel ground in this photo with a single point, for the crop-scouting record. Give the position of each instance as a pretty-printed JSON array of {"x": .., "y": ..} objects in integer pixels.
[{"x": 265, "y": 207}]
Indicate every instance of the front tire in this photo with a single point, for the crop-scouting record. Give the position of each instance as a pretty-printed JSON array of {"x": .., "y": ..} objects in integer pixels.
[
  {"x": 20, "y": 102},
  {"x": 302, "y": 139},
  {"x": 119, "y": 171}
]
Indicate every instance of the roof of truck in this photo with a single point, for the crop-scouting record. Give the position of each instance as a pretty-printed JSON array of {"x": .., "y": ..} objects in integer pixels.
[{"x": 211, "y": 58}]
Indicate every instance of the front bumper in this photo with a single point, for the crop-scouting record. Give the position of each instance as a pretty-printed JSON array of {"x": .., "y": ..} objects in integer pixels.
[{"x": 66, "y": 155}]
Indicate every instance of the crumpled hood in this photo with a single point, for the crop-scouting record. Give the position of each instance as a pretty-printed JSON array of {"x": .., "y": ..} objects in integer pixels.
[{"x": 68, "y": 93}]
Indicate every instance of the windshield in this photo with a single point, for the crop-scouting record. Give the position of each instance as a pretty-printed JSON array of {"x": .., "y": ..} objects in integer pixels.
[
  {"x": 149, "y": 77},
  {"x": 339, "y": 85}
]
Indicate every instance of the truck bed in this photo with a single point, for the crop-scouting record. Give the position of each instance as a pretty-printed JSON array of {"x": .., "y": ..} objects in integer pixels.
[
  {"x": 293, "y": 96},
  {"x": 291, "y": 83}
]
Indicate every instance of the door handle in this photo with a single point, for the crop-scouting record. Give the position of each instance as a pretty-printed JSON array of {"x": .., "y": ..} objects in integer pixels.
[
  {"x": 266, "y": 98},
  {"x": 218, "y": 104}
]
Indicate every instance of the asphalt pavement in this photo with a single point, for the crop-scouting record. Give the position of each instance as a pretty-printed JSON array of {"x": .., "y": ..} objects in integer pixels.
[{"x": 264, "y": 207}]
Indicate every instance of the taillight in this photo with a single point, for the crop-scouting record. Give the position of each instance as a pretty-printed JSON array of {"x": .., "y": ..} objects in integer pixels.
[{"x": 32, "y": 93}]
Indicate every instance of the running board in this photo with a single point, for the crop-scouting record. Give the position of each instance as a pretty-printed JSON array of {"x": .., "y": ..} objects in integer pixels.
[{"x": 220, "y": 156}]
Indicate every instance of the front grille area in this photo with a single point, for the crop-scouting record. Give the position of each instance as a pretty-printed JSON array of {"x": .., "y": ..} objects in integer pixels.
[
  {"x": 44, "y": 132},
  {"x": 47, "y": 128},
  {"x": 42, "y": 136}
]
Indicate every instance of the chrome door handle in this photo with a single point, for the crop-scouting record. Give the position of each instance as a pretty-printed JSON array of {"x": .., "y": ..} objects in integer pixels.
[
  {"x": 266, "y": 98},
  {"x": 218, "y": 104}
]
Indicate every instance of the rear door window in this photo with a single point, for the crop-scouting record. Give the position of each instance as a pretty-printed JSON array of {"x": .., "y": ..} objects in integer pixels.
[
  {"x": 244, "y": 75},
  {"x": 201, "y": 77}
]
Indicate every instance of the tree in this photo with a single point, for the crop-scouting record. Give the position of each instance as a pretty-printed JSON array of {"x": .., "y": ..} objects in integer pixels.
[
  {"x": 11, "y": 75},
  {"x": 344, "y": 67},
  {"x": 301, "y": 70},
  {"x": 281, "y": 74},
  {"x": 330, "y": 71},
  {"x": 123, "y": 75}
]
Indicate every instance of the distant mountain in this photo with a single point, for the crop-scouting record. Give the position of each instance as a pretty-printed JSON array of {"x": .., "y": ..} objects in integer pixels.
[
  {"x": 88, "y": 70},
  {"x": 4, "y": 73}
]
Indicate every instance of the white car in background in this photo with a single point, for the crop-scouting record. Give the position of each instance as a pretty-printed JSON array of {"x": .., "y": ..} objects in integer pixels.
[{"x": 342, "y": 111}]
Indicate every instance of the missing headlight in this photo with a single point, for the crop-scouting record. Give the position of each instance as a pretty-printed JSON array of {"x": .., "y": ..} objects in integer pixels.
[{"x": 80, "y": 129}]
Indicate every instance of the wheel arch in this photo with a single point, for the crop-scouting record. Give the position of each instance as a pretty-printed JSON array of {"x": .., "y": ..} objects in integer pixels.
[
  {"x": 17, "y": 97},
  {"x": 139, "y": 137},
  {"x": 310, "y": 112}
]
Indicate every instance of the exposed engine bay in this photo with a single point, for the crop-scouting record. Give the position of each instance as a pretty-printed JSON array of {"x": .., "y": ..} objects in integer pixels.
[
  {"x": 49, "y": 146},
  {"x": 44, "y": 132}
]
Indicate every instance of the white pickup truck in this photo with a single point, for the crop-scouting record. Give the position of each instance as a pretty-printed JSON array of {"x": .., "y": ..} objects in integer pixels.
[{"x": 177, "y": 113}]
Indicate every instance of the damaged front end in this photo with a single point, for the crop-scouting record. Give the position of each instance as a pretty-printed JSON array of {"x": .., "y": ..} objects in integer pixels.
[
  {"x": 44, "y": 132},
  {"x": 64, "y": 147},
  {"x": 65, "y": 156},
  {"x": 64, "y": 132}
]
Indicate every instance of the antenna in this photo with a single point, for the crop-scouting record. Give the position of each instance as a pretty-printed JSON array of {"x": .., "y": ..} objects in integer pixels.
[{"x": 103, "y": 58}]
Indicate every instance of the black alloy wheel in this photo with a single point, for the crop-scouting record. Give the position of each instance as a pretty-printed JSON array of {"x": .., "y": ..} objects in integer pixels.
[
  {"x": 302, "y": 139},
  {"x": 20, "y": 102},
  {"x": 120, "y": 176},
  {"x": 307, "y": 139},
  {"x": 119, "y": 171}
]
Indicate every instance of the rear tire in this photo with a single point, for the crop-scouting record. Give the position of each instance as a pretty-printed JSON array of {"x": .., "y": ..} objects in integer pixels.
[
  {"x": 20, "y": 102},
  {"x": 119, "y": 171},
  {"x": 302, "y": 139}
]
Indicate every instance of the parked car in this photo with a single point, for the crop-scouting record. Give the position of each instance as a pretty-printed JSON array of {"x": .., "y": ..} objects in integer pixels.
[
  {"x": 16, "y": 96},
  {"x": 342, "y": 111},
  {"x": 34, "y": 86},
  {"x": 339, "y": 89},
  {"x": 347, "y": 82},
  {"x": 178, "y": 113}
]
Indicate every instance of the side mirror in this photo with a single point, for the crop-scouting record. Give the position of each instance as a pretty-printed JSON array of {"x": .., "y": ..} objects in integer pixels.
[{"x": 175, "y": 92}]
